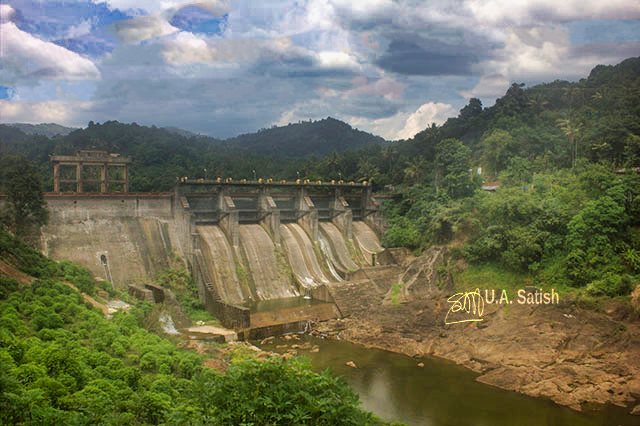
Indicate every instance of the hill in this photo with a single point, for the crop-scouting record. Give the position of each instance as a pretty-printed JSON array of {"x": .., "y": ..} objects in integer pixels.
[
  {"x": 304, "y": 139},
  {"x": 44, "y": 129},
  {"x": 161, "y": 155}
]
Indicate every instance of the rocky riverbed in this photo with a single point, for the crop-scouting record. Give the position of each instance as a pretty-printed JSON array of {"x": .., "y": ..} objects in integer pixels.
[{"x": 570, "y": 355}]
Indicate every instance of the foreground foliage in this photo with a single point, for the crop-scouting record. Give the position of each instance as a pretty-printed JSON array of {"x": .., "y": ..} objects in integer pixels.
[{"x": 62, "y": 362}]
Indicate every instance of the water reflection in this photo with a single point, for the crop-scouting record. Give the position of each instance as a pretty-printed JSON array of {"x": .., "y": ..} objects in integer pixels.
[{"x": 440, "y": 393}]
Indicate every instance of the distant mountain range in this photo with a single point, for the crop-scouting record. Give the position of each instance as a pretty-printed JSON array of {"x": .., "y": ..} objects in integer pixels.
[
  {"x": 304, "y": 139},
  {"x": 44, "y": 129},
  {"x": 162, "y": 154}
]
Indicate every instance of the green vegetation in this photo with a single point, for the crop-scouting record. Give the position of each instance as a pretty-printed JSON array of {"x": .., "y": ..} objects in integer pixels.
[
  {"x": 490, "y": 276},
  {"x": 63, "y": 363},
  {"x": 160, "y": 156},
  {"x": 567, "y": 213},
  {"x": 181, "y": 283},
  {"x": 275, "y": 392},
  {"x": 395, "y": 293},
  {"x": 566, "y": 156},
  {"x": 25, "y": 207}
]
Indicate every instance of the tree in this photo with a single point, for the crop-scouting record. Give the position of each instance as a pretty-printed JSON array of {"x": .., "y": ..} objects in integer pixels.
[
  {"x": 414, "y": 170},
  {"x": 472, "y": 109},
  {"x": 25, "y": 207},
  {"x": 572, "y": 129},
  {"x": 453, "y": 168},
  {"x": 496, "y": 146}
]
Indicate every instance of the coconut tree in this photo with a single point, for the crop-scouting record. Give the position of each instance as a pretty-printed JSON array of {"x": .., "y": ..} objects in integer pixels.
[{"x": 572, "y": 130}]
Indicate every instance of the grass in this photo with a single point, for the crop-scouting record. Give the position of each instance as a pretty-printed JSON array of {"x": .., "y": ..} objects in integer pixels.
[
  {"x": 490, "y": 276},
  {"x": 395, "y": 293}
]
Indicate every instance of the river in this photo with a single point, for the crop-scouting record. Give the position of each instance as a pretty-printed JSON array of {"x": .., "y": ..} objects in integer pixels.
[{"x": 441, "y": 393}]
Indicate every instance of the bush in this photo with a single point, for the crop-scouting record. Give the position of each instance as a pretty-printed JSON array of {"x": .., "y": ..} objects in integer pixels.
[
  {"x": 78, "y": 276},
  {"x": 277, "y": 391},
  {"x": 611, "y": 284},
  {"x": 7, "y": 286},
  {"x": 402, "y": 233}
]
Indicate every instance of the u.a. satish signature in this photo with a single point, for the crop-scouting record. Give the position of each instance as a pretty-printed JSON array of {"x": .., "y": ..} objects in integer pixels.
[{"x": 470, "y": 302}]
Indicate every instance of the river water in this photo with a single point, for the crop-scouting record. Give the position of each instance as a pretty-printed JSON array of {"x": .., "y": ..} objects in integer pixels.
[{"x": 441, "y": 393}]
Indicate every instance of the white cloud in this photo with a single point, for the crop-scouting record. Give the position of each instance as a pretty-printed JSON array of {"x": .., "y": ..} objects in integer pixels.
[
  {"x": 305, "y": 59},
  {"x": 540, "y": 54},
  {"x": 364, "y": 9},
  {"x": 405, "y": 125},
  {"x": 83, "y": 28},
  {"x": 526, "y": 12},
  {"x": 6, "y": 13},
  {"x": 26, "y": 57},
  {"x": 186, "y": 48},
  {"x": 144, "y": 28},
  {"x": 490, "y": 86},
  {"x": 337, "y": 60},
  {"x": 156, "y": 6},
  {"x": 428, "y": 113},
  {"x": 61, "y": 112}
]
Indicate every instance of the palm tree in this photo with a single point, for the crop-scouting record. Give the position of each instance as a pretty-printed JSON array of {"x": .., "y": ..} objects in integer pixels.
[
  {"x": 573, "y": 94},
  {"x": 572, "y": 129},
  {"x": 414, "y": 169},
  {"x": 538, "y": 102}
]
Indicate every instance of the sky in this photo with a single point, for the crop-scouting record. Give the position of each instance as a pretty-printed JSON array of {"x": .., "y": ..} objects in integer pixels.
[{"x": 222, "y": 68}]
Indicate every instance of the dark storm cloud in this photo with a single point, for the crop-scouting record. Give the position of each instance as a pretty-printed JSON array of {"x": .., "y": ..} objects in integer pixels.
[{"x": 428, "y": 57}]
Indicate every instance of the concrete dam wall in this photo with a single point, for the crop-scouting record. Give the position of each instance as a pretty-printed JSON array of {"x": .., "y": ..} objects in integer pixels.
[
  {"x": 124, "y": 239},
  {"x": 245, "y": 245}
]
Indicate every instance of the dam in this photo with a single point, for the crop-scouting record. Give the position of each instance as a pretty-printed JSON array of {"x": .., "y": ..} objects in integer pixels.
[{"x": 266, "y": 256}]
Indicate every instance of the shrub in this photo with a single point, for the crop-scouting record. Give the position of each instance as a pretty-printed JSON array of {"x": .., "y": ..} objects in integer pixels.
[{"x": 611, "y": 284}]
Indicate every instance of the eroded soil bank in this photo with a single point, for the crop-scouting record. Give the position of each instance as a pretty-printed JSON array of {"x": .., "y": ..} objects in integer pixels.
[{"x": 568, "y": 354}]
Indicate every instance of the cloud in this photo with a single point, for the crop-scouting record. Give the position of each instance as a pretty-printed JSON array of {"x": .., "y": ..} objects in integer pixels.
[
  {"x": 337, "y": 60},
  {"x": 6, "y": 13},
  {"x": 405, "y": 124},
  {"x": 224, "y": 68},
  {"x": 28, "y": 58},
  {"x": 198, "y": 20},
  {"x": 490, "y": 86},
  {"x": 521, "y": 12},
  {"x": 82, "y": 29},
  {"x": 218, "y": 7},
  {"x": 43, "y": 112},
  {"x": 414, "y": 56},
  {"x": 546, "y": 52},
  {"x": 424, "y": 116},
  {"x": 143, "y": 28},
  {"x": 186, "y": 48}
]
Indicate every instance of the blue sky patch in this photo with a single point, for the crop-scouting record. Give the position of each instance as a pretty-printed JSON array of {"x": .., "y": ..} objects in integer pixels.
[
  {"x": 198, "y": 20},
  {"x": 6, "y": 92},
  {"x": 604, "y": 31}
]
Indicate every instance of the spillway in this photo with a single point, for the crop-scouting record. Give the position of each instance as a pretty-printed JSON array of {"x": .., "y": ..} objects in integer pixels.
[
  {"x": 339, "y": 252},
  {"x": 302, "y": 257},
  {"x": 219, "y": 266},
  {"x": 367, "y": 240},
  {"x": 265, "y": 267}
]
